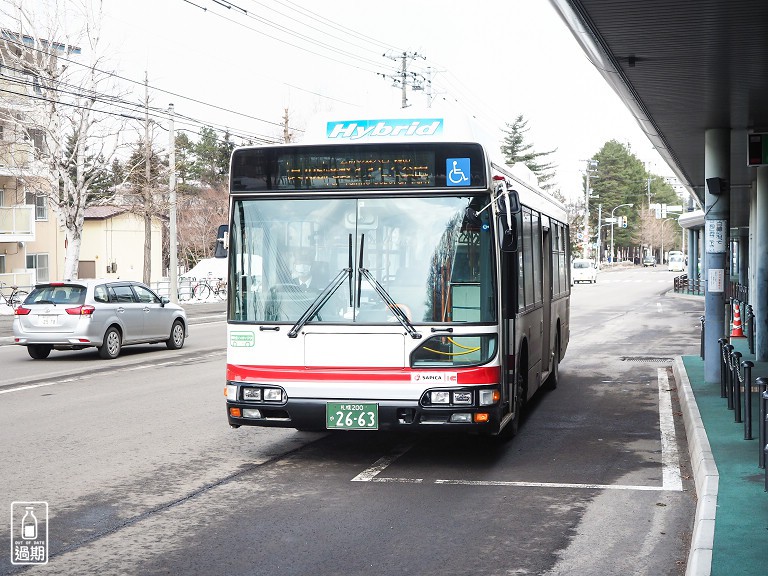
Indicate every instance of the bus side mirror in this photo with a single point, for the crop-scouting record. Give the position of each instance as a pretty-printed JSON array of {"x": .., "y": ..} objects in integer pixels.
[
  {"x": 509, "y": 236},
  {"x": 222, "y": 242},
  {"x": 509, "y": 205}
]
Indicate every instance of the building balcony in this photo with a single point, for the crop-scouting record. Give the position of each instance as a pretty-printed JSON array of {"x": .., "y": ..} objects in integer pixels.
[{"x": 17, "y": 223}]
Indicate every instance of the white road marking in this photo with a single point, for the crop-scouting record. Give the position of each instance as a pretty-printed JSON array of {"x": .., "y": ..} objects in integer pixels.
[
  {"x": 551, "y": 485},
  {"x": 28, "y": 387},
  {"x": 85, "y": 376},
  {"x": 670, "y": 460},
  {"x": 369, "y": 474}
]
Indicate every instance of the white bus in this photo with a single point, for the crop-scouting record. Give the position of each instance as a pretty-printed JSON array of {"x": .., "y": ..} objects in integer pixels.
[
  {"x": 676, "y": 261},
  {"x": 391, "y": 275}
]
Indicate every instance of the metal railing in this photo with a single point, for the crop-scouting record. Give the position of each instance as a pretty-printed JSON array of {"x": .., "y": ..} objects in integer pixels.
[
  {"x": 736, "y": 386},
  {"x": 684, "y": 285},
  {"x": 762, "y": 387}
]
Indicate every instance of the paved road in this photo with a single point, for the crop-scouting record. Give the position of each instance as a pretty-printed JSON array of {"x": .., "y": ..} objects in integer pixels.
[{"x": 143, "y": 476}]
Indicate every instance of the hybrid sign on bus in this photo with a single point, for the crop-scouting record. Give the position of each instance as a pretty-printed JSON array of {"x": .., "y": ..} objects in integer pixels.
[{"x": 358, "y": 129}]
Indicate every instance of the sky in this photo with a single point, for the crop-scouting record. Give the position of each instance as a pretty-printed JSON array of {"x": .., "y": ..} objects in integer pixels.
[{"x": 240, "y": 64}]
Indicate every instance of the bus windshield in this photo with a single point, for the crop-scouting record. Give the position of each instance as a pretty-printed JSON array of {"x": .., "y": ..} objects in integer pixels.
[{"x": 431, "y": 256}]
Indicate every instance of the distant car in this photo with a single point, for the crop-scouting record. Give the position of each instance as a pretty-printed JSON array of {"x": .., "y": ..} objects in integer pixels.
[
  {"x": 583, "y": 271},
  {"x": 105, "y": 314},
  {"x": 649, "y": 261}
]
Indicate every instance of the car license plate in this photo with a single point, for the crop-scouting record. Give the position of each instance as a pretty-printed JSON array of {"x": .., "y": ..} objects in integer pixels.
[
  {"x": 351, "y": 416},
  {"x": 49, "y": 320}
]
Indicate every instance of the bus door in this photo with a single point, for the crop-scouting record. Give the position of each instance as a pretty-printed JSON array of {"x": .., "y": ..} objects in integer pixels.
[{"x": 546, "y": 255}]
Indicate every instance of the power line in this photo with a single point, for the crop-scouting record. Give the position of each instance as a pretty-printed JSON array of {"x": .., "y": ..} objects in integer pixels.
[
  {"x": 284, "y": 29},
  {"x": 154, "y": 88}
]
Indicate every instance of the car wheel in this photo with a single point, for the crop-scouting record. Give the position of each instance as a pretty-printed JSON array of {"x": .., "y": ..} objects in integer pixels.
[
  {"x": 39, "y": 351},
  {"x": 176, "y": 340},
  {"x": 112, "y": 344}
]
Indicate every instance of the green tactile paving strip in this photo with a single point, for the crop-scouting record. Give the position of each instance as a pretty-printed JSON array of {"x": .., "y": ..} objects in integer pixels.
[{"x": 741, "y": 521}]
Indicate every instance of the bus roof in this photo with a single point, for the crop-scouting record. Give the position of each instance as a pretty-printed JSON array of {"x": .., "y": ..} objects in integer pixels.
[{"x": 408, "y": 125}]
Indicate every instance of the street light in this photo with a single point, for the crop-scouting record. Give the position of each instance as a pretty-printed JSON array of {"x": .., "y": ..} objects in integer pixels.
[
  {"x": 612, "y": 221},
  {"x": 662, "y": 237},
  {"x": 591, "y": 163}
]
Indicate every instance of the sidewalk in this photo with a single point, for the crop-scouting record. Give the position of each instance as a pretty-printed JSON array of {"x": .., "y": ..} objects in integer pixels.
[{"x": 731, "y": 527}]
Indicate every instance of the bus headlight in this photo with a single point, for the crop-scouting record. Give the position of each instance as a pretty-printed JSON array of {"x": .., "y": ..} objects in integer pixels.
[
  {"x": 231, "y": 392},
  {"x": 489, "y": 397},
  {"x": 251, "y": 393},
  {"x": 440, "y": 397},
  {"x": 462, "y": 398},
  {"x": 464, "y": 417},
  {"x": 273, "y": 395}
]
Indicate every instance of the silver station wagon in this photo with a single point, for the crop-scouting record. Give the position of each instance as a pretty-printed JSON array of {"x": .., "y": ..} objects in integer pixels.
[{"x": 106, "y": 314}]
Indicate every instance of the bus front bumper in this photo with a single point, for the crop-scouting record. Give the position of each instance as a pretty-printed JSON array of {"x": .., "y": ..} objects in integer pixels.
[{"x": 310, "y": 414}]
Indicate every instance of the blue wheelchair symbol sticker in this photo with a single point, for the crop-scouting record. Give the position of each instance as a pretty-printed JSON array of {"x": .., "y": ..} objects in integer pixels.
[{"x": 457, "y": 172}]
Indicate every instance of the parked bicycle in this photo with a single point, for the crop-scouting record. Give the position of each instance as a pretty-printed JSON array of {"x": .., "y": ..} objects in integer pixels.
[
  {"x": 207, "y": 286},
  {"x": 16, "y": 296}
]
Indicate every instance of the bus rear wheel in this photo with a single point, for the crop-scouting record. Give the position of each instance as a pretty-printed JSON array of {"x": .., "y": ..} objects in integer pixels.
[{"x": 554, "y": 374}]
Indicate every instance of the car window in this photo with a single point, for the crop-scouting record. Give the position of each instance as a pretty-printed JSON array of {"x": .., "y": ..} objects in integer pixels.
[
  {"x": 145, "y": 296},
  {"x": 121, "y": 293},
  {"x": 57, "y": 294},
  {"x": 100, "y": 293}
]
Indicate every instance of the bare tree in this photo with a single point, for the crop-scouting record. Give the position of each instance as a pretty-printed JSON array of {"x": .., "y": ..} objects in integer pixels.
[
  {"x": 200, "y": 215},
  {"x": 652, "y": 233},
  {"x": 62, "y": 88}
]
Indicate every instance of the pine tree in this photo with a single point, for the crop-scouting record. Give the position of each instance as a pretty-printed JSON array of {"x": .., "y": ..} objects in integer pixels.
[{"x": 515, "y": 149}]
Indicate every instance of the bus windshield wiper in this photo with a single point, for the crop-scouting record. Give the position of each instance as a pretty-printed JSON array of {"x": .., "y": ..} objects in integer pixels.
[
  {"x": 396, "y": 310},
  {"x": 320, "y": 301}
]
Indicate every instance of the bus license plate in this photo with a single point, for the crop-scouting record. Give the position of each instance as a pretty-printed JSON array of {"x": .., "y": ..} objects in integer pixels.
[{"x": 351, "y": 416}]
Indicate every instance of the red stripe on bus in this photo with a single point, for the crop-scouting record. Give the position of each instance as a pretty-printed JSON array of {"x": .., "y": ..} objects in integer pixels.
[{"x": 236, "y": 372}]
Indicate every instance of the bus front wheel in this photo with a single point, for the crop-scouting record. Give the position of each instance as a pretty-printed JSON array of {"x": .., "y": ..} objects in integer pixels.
[{"x": 519, "y": 393}]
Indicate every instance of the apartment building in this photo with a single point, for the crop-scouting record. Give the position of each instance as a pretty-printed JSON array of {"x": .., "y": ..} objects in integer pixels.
[{"x": 32, "y": 242}]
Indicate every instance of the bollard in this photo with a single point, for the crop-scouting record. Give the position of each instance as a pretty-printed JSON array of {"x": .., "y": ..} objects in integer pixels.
[
  {"x": 747, "y": 368},
  {"x": 729, "y": 376},
  {"x": 701, "y": 346},
  {"x": 750, "y": 318},
  {"x": 723, "y": 343},
  {"x": 737, "y": 379},
  {"x": 762, "y": 432}
]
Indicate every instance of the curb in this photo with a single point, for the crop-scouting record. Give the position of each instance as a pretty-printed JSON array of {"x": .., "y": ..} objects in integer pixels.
[{"x": 705, "y": 474}]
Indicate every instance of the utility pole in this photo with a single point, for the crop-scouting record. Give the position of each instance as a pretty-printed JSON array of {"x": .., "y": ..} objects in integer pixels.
[
  {"x": 286, "y": 132},
  {"x": 403, "y": 78},
  {"x": 428, "y": 91},
  {"x": 599, "y": 234},
  {"x": 173, "y": 292},
  {"x": 591, "y": 163},
  {"x": 147, "y": 276}
]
